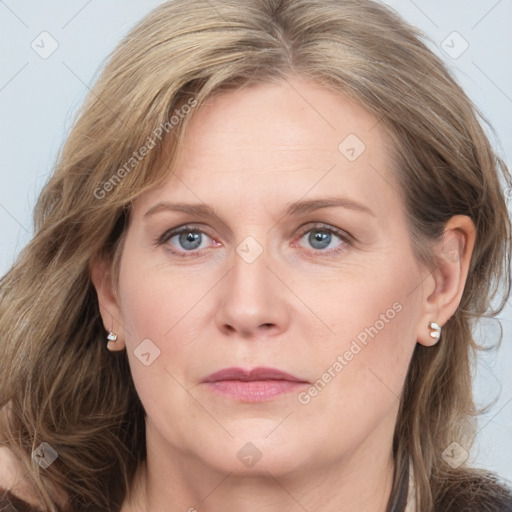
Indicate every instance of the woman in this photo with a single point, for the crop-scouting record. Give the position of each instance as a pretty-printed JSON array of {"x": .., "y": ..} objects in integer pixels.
[{"x": 255, "y": 274}]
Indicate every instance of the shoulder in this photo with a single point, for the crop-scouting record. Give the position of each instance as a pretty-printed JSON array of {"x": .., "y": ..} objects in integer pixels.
[{"x": 15, "y": 493}]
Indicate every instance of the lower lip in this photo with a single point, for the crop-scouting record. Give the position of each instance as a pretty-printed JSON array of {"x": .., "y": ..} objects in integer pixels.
[{"x": 254, "y": 391}]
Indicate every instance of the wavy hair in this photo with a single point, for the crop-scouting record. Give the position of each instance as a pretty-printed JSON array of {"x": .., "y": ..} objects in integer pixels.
[{"x": 58, "y": 382}]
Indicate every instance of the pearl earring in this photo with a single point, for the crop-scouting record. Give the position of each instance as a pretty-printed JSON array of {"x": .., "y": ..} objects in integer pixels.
[{"x": 435, "y": 330}]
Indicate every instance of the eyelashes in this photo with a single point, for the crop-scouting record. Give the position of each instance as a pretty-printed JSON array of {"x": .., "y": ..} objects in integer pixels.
[{"x": 190, "y": 238}]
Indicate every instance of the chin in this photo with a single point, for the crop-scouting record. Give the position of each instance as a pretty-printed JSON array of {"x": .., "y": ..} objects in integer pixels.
[
  {"x": 250, "y": 461},
  {"x": 255, "y": 452}
]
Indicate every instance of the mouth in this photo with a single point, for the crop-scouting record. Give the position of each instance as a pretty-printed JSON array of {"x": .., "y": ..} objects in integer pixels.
[{"x": 256, "y": 385}]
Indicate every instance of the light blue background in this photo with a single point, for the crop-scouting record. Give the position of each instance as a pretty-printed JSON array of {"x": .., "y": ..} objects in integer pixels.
[{"x": 39, "y": 96}]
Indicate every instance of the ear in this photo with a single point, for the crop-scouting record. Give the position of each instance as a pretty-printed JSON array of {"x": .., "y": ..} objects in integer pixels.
[
  {"x": 444, "y": 286},
  {"x": 110, "y": 312}
]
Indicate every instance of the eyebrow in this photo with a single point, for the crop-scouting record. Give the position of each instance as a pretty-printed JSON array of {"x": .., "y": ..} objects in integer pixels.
[{"x": 296, "y": 208}]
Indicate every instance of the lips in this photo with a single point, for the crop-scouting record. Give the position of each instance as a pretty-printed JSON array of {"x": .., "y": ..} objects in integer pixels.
[
  {"x": 256, "y": 374},
  {"x": 251, "y": 386}
]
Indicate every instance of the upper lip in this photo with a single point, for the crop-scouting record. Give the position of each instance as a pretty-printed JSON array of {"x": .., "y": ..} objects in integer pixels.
[{"x": 260, "y": 373}]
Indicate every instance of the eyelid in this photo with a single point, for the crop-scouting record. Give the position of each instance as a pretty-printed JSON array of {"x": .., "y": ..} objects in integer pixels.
[{"x": 326, "y": 227}]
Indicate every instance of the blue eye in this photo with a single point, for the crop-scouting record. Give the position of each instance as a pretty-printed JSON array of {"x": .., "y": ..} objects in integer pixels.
[
  {"x": 322, "y": 237},
  {"x": 189, "y": 241}
]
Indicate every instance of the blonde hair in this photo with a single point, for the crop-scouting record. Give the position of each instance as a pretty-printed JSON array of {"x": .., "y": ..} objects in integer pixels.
[{"x": 58, "y": 382}]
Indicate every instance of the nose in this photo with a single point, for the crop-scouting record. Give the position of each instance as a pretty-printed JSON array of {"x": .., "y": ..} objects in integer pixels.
[{"x": 252, "y": 300}]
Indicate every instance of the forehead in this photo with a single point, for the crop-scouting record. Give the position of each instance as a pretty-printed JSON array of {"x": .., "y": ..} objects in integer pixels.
[{"x": 276, "y": 142}]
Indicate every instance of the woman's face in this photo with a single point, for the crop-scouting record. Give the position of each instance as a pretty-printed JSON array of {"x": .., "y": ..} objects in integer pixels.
[{"x": 296, "y": 256}]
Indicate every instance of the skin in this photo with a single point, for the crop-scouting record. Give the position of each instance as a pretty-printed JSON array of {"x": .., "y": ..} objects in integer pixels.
[{"x": 296, "y": 307}]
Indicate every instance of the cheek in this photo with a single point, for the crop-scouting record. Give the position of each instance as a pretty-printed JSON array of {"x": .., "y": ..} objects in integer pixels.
[
  {"x": 365, "y": 359},
  {"x": 163, "y": 315},
  {"x": 358, "y": 383},
  {"x": 157, "y": 301},
  {"x": 156, "y": 308}
]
